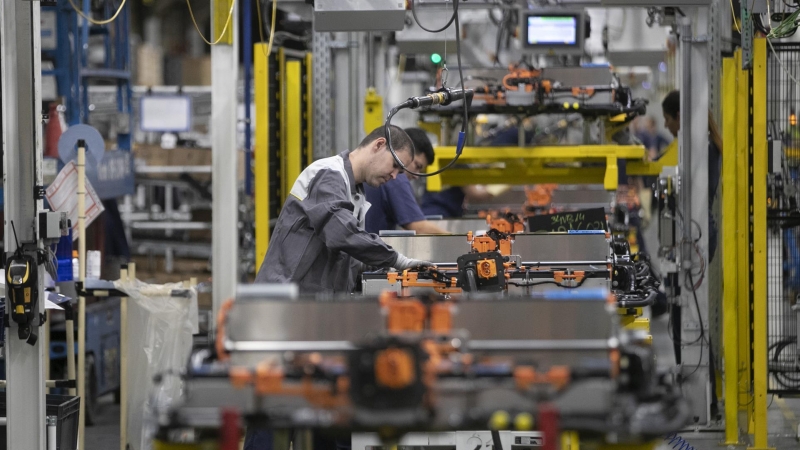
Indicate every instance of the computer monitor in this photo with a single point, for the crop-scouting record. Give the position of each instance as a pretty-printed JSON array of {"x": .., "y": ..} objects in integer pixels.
[{"x": 554, "y": 32}]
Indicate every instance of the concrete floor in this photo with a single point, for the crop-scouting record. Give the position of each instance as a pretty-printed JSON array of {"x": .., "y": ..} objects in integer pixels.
[{"x": 105, "y": 434}]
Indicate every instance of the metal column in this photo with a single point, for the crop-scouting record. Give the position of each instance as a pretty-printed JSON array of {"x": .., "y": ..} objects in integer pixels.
[
  {"x": 685, "y": 134},
  {"x": 729, "y": 250},
  {"x": 742, "y": 238},
  {"x": 20, "y": 69},
  {"x": 353, "y": 124},
  {"x": 693, "y": 160},
  {"x": 261, "y": 153},
  {"x": 224, "y": 79},
  {"x": 759, "y": 151},
  {"x": 323, "y": 98}
]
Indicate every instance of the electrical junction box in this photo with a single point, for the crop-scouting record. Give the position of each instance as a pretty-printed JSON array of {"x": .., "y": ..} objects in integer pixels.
[
  {"x": 359, "y": 15},
  {"x": 51, "y": 225}
]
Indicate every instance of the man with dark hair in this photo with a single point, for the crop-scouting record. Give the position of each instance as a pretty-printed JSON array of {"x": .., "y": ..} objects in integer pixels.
[
  {"x": 319, "y": 242},
  {"x": 672, "y": 121},
  {"x": 671, "y": 106},
  {"x": 393, "y": 203}
]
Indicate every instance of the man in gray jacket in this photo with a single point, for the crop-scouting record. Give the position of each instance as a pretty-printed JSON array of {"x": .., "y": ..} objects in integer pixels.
[{"x": 319, "y": 241}]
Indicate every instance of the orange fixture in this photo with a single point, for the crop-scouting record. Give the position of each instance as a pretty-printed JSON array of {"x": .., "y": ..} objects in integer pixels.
[
  {"x": 405, "y": 315},
  {"x": 394, "y": 368},
  {"x": 560, "y": 276},
  {"x": 579, "y": 91},
  {"x": 268, "y": 379},
  {"x": 483, "y": 244},
  {"x": 441, "y": 318}
]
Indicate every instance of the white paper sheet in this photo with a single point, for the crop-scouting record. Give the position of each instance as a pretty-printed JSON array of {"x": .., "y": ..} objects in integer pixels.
[{"x": 62, "y": 195}]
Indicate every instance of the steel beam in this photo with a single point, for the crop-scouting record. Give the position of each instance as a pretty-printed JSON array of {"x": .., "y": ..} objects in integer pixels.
[
  {"x": 291, "y": 118},
  {"x": 729, "y": 253},
  {"x": 759, "y": 189},
  {"x": 742, "y": 239},
  {"x": 261, "y": 152},
  {"x": 20, "y": 69},
  {"x": 694, "y": 205},
  {"x": 224, "y": 152},
  {"x": 322, "y": 98}
]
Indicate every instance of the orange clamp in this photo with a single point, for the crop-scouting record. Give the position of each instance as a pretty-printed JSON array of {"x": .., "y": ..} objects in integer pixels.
[
  {"x": 560, "y": 276},
  {"x": 441, "y": 317},
  {"x": 268, "y": 379},
  {"x": 405, "y": 315},
  {"x": 483, "y": 244},
  {"x": 240, "y": 376}
]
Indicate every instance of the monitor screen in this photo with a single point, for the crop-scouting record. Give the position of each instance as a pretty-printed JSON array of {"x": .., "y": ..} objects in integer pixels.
[{"x": 550, "y": 30}]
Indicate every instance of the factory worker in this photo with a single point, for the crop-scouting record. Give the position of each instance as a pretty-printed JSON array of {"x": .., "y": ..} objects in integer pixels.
[
  {"x": 672, "y": 122},
  {"x": 394, "y": 203},
  {"x": 319, "y": 241}
]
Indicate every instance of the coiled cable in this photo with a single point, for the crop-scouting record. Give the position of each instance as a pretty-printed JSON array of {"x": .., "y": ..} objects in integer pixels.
[{"x": 677, "y": 442}]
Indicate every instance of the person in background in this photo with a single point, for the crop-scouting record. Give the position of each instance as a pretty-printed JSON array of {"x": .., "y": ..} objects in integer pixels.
[
  {"x": 449, "y": 203},
  {"x": 653, "y": 141},
  {"x": 672, "y": 121},
  {"x": 393, "y": 203}
]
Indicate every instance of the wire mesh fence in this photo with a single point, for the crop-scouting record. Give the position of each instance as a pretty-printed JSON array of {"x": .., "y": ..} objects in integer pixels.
[{"x": 783, "y": 217}]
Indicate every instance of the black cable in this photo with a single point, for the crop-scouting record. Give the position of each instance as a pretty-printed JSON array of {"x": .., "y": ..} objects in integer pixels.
[
  {"x": 464, "y": 122},
  {"x": 711, "y": 362},
  {"x": 447, "y": 25},
  {"x": 539, "y": 283}
]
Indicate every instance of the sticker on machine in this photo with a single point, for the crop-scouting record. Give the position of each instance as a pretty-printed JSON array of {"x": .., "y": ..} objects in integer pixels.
[{"x": 62, "y": 195}]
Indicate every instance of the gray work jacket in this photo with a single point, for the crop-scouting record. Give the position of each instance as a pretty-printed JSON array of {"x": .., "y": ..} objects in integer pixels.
[{"x": 320, "y": 232}]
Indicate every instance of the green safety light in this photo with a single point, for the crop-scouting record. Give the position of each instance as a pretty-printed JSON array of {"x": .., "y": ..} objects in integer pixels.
[{"x": 436, "y": 58}]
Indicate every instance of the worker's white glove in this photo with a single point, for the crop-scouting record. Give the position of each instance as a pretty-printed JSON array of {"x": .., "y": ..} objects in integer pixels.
[{"x": 403, "y": 263}]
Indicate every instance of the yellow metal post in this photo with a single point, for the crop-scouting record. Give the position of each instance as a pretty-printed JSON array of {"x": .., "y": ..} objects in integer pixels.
[
  {"x": 261, "y": 151},
  {"x": 760, "y": 158},
  {"x": 729, "y": 252},
  {"x": 291, "y": 118},
  {"x": 282, "y": 124},
  {"x": 373, "y": 110},
  {"x": 570, "y": 440},
  {"x": 309, "y": 113},
  {"x": 223, "y": 21},
  {"x": 743, "y": 244}
]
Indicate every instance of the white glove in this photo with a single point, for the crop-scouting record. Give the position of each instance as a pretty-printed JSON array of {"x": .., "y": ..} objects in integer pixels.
[{"x": 403, "y": 263}]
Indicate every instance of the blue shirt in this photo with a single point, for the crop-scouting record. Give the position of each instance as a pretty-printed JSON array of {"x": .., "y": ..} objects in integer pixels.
[
  {"x": 392, "y": 204},
  {"x": 447, "y": 203}
]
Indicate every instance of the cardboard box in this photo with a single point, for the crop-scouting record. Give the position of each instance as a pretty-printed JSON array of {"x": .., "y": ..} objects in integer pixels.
[
  {"x": 151, "y": 155},
  {"x": 196, "y": 71},
  {"x": 188, "y": 156},
  {"x": 149, "y": 65}
]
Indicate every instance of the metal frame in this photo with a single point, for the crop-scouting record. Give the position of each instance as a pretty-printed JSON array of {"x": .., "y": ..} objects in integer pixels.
[
  {"x": 759, "y": 152},
  {"x": 321, "y": 72},
  {"x": 291, "y": 119},
  {"x": 730, "y": 249},
  {"x": 284, "y": 132},
  {"x": 745, "y": 246},
  {"x": 525, "y": 165},
  {"x": 20, "y": 77},
  {"x": 261, "y": 184}
]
